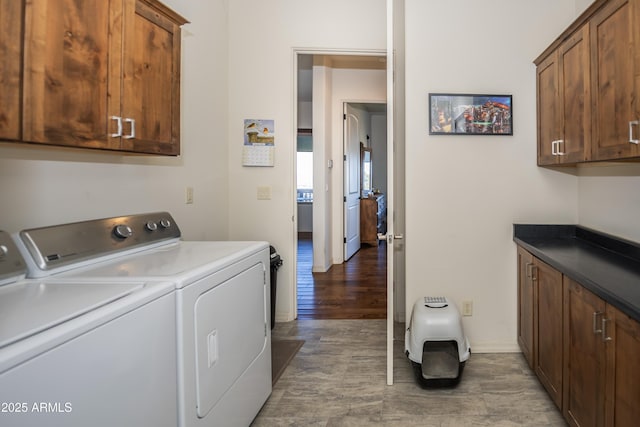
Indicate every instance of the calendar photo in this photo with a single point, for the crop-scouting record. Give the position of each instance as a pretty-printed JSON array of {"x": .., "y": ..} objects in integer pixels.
[{"x": 259, "y": 143}]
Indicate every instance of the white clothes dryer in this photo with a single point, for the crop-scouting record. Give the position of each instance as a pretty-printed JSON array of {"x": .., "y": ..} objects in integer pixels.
[{"x": 222, "y": 304}]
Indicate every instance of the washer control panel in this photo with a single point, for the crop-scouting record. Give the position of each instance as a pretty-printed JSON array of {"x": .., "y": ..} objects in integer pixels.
[
  {"x": 65, "y": 244},
  {"x": 11, "y": 263}
]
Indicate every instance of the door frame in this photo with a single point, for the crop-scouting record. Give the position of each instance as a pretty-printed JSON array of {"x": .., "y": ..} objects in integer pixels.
[{"x": 329, "y": 165}]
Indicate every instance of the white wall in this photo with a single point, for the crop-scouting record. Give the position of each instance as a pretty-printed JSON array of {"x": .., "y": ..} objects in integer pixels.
[
  {"x": 581, "y": 5},
  {"x": 262, "y": 40},
  {"x": 321, "y": 179},
  {"x": 609, "y": 197},
  {"x": 465, "y": 192},
  {"x": 44, "y": 186},
  {"x": 379, "y": 151}
]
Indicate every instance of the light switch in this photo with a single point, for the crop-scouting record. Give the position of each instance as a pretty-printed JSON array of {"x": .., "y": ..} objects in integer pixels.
[
  {"x": 264, "y": 193},
  {"x": 188, "y": 196},
  {"x": 467, "y": 308}
]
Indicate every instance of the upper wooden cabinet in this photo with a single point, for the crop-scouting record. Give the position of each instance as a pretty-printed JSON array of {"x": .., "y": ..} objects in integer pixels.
[
  {"x": 10, "y": 68},
  {"x": 102, "y": 75},
  {"x": 150, "y": 86},
  {"x": 588, "y": 84},
  {"x": 615, "y": 50},
  {"x": 564, "y": 102}
]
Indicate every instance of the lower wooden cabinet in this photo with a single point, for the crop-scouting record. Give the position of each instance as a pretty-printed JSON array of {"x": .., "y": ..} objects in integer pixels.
[
  {"x": 548, "y": 328},
  {"x": 584, "y": 357},
  {"x": 525, "y": 305},
  {"x": 622, "y": 390},
  {"x": 583, "y": 350}
]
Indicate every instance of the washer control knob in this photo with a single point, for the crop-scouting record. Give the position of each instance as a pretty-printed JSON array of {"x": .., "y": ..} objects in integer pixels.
[
  {"x": 3, "y": 251},
  {"x": 151, "y": 226},
  {"x": 122, "y": 231},
  {"x": 165, "y": 223}
]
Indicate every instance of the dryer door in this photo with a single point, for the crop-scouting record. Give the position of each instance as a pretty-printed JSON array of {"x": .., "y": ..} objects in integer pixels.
[{"x": 231, "y": 332}]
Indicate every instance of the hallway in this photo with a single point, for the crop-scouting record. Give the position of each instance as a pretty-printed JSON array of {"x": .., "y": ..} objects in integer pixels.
[{"x": 356, "y": 289}]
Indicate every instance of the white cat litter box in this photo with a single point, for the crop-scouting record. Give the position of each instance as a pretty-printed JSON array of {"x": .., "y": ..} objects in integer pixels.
[{"x": 435, "y": 342}]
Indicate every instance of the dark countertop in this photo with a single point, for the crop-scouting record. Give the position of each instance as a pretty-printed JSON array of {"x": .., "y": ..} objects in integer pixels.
[{"x": 606, "y": 265}]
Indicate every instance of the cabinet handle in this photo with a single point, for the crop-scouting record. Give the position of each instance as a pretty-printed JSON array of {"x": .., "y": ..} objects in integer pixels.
[
  {"x": 595, "y": 322},
  {"x": 631, "y": 125},
  {"x": 133, "y": 128},
  {"x": 605, "y": 338},
  {"x": 529, "y": 270},
  {"x": 555, "y": 147},
  {"x": 119, "y": 122}
]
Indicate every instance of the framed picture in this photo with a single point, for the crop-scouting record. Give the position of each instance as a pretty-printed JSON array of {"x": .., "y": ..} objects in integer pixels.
[{"x": 470, "y": 114}]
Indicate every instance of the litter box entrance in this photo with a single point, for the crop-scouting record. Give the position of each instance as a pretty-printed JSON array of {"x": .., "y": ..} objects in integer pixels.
[{"x": 440, "y": 360}]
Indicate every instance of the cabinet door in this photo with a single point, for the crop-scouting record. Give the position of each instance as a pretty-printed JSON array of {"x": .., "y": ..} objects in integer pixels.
[
  {"x": 65, "y": 73},
  {"x": 548, "y": 106},
  {"x": 575, "y": 98},
  {"x": 10, "y": 68},
  {"x": 584, "y": 363},
  {"x": 151, "y": 80},
  {"x": 623, "y": 370},
  {"x": 548, "y": 329},
  {"x": 525, "y": 305},
  {"x": 615, "y": 69}
]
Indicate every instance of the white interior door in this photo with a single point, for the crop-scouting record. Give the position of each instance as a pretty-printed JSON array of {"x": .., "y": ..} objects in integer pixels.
[
  {"x": 351, "y": 184},
  {"x": 395, "y": 170}
]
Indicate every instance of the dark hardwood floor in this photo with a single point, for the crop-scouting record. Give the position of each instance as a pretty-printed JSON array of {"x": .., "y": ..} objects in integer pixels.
[{"x": 356, "y": 289}]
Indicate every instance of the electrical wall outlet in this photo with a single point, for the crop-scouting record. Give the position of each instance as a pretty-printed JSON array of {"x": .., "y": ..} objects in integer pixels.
[
  {"x": 467, "y": 308},
  {"x": 188, "y": 195},
  {"x": 264, "y": 193}
]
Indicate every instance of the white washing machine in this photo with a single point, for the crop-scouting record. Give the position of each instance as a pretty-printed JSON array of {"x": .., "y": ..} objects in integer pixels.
[
  {"x": 222, "y": 300},
  {"x": 76, "y": 353}
]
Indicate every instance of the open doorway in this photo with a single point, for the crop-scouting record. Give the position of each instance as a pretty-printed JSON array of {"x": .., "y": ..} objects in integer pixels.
[{"x": 327, "y": 286}]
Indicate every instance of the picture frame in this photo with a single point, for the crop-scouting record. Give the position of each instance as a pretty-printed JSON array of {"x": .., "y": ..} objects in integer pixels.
[{"x": 470, "y": 114}]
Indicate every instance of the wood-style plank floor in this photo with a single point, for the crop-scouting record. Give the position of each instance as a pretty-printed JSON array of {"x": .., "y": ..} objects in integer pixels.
[{"x": 356, "y": 289}]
